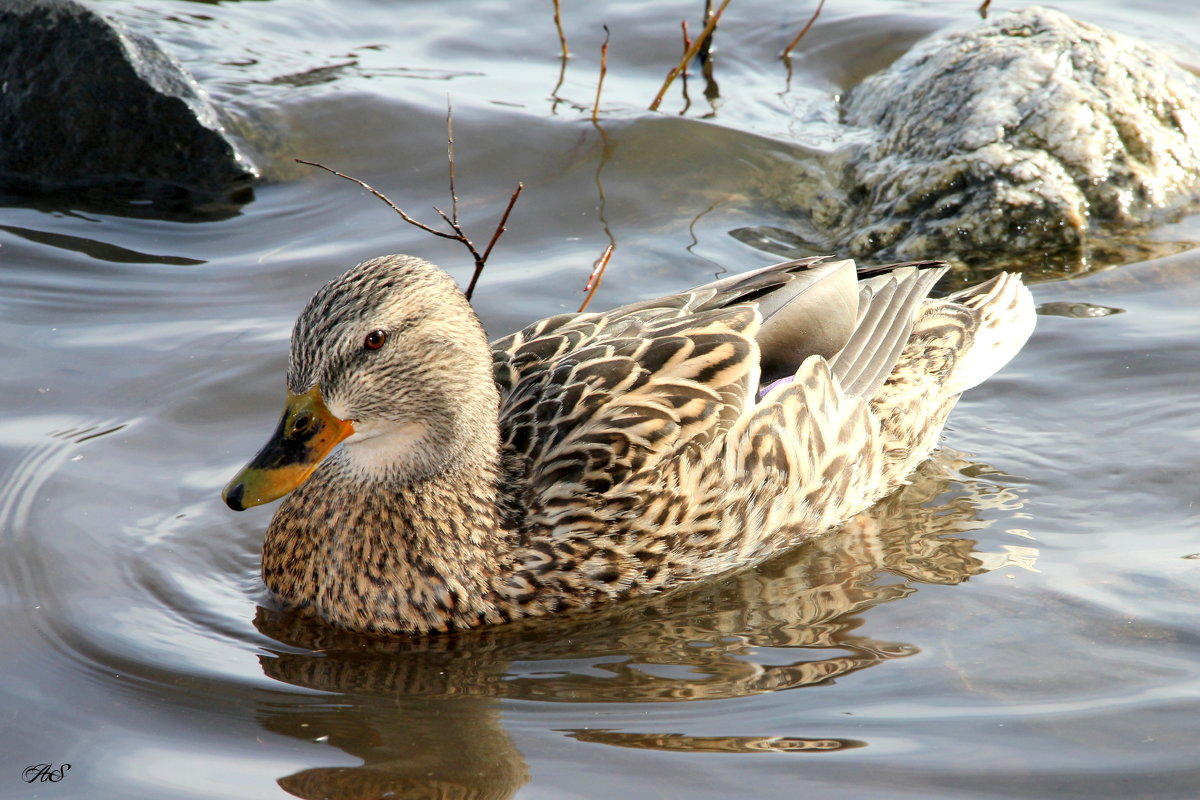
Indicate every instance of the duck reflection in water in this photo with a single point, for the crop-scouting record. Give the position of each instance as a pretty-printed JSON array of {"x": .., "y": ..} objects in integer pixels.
[{"x": 424, "y": 716}]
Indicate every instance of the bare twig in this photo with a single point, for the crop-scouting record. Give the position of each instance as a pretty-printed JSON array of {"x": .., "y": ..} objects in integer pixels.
[
  {"x": 453, "y": 223},
  {"x": 504, "y": 218},
  {"x": 689, "y": 55},
  {"x": 603, "y": 72},
  {"x": 384, "y": 198},
  {"x": 450, "y": 158},
  {"x": 683, "y": 76},
  {"x": 597, "y": 275},
  {"x": 787, "y": 51},
  {"x": 562, "y": 37},
  {"x": 712, "y": 92},
  {"x": 702, "y": 53},
  {"x": 562, "y": 73},
  {"x": 458, "y": 234}
]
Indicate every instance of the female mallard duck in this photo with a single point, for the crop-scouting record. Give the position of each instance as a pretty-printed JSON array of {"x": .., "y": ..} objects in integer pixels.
[{"x": 597, "y": 457}]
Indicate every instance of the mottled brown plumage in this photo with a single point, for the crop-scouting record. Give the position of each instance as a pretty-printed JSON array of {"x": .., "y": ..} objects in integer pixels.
[{"x": 596, "y": 457}]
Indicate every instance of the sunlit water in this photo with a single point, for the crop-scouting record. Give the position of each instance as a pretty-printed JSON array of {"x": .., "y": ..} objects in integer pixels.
[{"x": 1021, "y": 621}]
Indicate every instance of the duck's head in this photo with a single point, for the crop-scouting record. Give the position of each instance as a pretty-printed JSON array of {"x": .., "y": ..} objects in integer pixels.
[{"x": 391, "y": 359}]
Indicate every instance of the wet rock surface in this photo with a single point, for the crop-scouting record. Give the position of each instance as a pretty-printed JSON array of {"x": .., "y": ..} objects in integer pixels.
[
  {"x": 89, "y": 108},
  {"x": 1032, "y": 133}
]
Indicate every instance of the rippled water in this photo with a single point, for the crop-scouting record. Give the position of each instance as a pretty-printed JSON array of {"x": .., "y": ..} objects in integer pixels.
[{"x": 1021, "y": 621}]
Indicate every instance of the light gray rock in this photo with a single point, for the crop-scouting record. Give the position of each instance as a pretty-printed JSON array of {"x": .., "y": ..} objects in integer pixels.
[
  {"x": 1033, "y": 133},
  {"x": 90, "y": 108}
]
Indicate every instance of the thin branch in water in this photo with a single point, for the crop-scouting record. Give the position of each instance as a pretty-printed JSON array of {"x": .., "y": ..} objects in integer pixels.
[
  {"x": 606, "y": 153},
  {"x": 603, "y": 72},
  {"x": 702, "y": 53},
  {"x": 983, "y": 9},
  {"x": 787, "y": 51},
  {"x": 500, "y": 227},
  {"x": 481, "y": 261},
  {"x": 563, "y": 55},
  {"x": 562, "y": 37},
  {"x": 597, "y": 275},
  {"x": 689, "y": 55},
  {"x": 712, "y": 92},
  {"x": 450, "y": 158},
  {"x": 562, "y": 73},
  {"x": 683, "y": 77}
]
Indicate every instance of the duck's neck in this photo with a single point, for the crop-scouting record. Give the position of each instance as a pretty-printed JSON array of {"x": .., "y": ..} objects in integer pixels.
[{"x": 389, "y": 556}]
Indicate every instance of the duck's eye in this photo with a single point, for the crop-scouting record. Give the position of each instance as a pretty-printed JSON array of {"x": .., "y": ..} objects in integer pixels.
[{"x": 374, "y": 340}]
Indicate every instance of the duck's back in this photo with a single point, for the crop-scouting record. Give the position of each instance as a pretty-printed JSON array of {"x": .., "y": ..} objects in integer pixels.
[{"x": 677, "y": 438}]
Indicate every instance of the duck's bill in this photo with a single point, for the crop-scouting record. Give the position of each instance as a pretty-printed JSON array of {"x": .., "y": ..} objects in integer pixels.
[{"x": 305, "y": 435}]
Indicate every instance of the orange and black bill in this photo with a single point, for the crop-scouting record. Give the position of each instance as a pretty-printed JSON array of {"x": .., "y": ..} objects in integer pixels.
[{"x": 306, "y": 433}]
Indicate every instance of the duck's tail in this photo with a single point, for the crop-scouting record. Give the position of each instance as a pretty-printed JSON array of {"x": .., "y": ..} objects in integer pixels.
[{"x": 1004, "y": 316}]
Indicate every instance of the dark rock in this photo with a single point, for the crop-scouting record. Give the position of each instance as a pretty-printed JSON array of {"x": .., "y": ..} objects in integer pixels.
[{"x": 88, "y": 108}]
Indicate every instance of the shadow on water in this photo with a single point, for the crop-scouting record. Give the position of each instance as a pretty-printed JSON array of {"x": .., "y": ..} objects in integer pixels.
[
  {"x": 424, "y": 714},
  {"x": 101, "y": 251},
  {"x": 132, "y": 199}
]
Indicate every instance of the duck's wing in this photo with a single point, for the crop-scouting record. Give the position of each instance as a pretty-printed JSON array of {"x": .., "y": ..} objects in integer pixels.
[
  {"x": 857, "y": 318},
  {"x": 589, "y": 399},
  {"x": 599, "y": 397},
  {"x": 808, "y": 306},
  {"x": 887, "y": 309}
]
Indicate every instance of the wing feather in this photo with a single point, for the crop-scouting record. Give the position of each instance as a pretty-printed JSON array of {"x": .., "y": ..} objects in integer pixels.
[
  {"x": 590, "y": 400},
  {"x": 888, "y": 306}
]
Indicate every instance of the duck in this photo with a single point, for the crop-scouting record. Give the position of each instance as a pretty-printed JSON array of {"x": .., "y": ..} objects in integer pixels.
[{"x": 434, "y": 482}]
